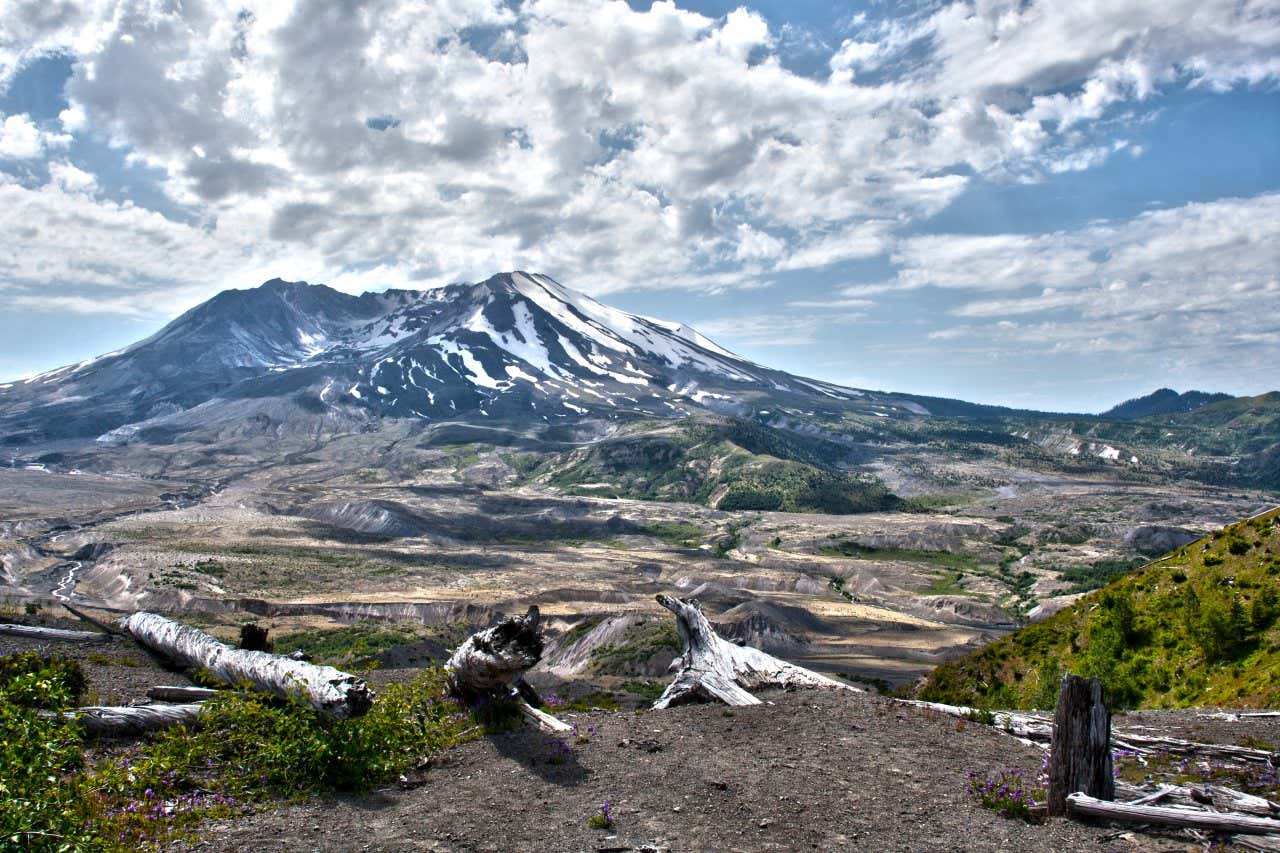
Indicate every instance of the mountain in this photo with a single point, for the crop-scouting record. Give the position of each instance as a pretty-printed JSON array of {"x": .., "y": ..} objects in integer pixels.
[
  {"x": 1200, "y": 626},
  {"x": 517, "y": 346},
  {"x": 1163, "y": 401}
]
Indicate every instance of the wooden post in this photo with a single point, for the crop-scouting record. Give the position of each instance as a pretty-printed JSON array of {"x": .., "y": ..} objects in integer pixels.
[{"x": 1080, "y": 751}]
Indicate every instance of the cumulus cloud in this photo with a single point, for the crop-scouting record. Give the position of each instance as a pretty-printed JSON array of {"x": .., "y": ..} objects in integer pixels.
[
  {"x": 1196, "y": 279},
  {"x": 609, "y": 146},
  {"x": 22, "y": 139}
]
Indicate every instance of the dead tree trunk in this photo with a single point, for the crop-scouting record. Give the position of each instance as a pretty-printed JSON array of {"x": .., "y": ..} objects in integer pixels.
[
  {"x": 491, "y": 665},
  {"x": 330, "y": 691},
  {"x": 167, "y": 693},
  {"x": 1083, "y": 804},
  {"x": 56, "y": 634},
  {"x": 130, "y": 720},
  {"x": 1080, "y": 752},
  {"x": 711, "y": 667}
]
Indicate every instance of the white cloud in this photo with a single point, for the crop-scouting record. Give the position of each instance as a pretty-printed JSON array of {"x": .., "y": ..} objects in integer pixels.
[
  {"x": 1198, "y": 279},
  {"x": 610, "y": 147},
  {"x": 69, "y": 178},
  {"x": 21, "y": 139},
  {"x": 773, "y": 330}
]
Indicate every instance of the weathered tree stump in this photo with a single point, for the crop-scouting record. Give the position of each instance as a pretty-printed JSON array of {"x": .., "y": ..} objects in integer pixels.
[
  {"x": 328, "y": 690},
  {"x": 711, "y": 667},
  {"x": 1080, "y": 751},
  {"x": 253, "y": 638},
  {"x": 491, "y": 665}
]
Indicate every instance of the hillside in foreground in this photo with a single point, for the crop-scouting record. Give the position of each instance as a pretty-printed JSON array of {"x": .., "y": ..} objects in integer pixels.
[{"x": 1196, "y": 627}]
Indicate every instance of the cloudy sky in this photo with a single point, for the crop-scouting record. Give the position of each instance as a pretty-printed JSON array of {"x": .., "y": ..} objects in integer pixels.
[{"x": 1046, "y": 204}]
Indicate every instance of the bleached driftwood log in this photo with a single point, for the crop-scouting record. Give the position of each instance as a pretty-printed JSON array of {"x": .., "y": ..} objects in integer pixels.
[
  {"x": 330, "y": 691},
  {"x": 1130, "y": 739},
  {"x": 55, "y": 634},
  {"x": 1030, "y": 727},
  {"x": 491, "y": 664},
  {"x": 130, "y": 720},
  {"x": 711, "y": 667},
  {"x": 169, "y": 693},
  {"x": 1035, "y": 728},
  {"x": 1083, "y": 804}
]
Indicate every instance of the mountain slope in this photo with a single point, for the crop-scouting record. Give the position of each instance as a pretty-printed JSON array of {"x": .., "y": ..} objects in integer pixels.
[
  {"x": 515, "y": 346},
  {"x": 1197, "y": 627},
  {"x": 1163, "y": 401}
]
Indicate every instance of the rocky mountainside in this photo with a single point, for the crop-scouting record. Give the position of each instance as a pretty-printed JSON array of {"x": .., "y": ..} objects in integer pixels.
[
  {"x": 516, "y": 346},
  {"x": 519, "y": 359},
  {"x": 1200, "y": 626}
]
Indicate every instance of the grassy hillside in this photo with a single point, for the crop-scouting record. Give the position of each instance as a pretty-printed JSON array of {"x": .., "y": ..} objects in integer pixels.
[
  {"x": 732, "y": 465},
  {"x": 1198, "y": 627}
]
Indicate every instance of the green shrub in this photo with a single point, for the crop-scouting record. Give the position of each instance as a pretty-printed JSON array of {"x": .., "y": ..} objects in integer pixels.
[
  {"x": 39, "y": 681},
  {"x": 246, "y": 749},
  {"x": 38, "y": 811}
]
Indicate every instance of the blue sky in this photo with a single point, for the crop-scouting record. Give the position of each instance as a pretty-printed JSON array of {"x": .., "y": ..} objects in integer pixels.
[{"x": 1047, "y": 205}]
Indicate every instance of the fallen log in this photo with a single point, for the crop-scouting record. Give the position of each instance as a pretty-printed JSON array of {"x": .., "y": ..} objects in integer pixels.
[
  {"x": 330, "y": 691},
  {"x": 1032, "y": 727},
  {"x": 1027, "y": 726},
  {"x": 169, "y": 693},
  {"x": 1083, "y": 804},
  {"x": 61, "y": 635},
  {"x": 1222, "y": 751},
  {"x": 1231, "y": 800},
  {"x": 101, "y": 626},
  {"x": 711, "y": 667},
  {"x": 491, "y": 664},
  {"x": 129, "y": 720},
  {"x": 1256, "y": 842},
  {"x": 1199, "y": 796}
]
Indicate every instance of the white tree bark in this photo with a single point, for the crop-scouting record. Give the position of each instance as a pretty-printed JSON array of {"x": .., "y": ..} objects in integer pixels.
[
  {"x": 491, "y": 663},
  {"x": 130, "y": 720},
  {"x": 168, "y": 693},
  {"x": 1034, "y": 727},
  {"x": 55, "y": 634},
  {"x": 1082, "y": 804},
  {"x": 330, "y": 691},
  {"x": 710, "y": 667}
]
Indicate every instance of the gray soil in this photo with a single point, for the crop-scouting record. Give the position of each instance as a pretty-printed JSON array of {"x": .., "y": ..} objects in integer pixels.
[
  {"x": 804, "y": 771},
  {"x": 809, "y": 770}
]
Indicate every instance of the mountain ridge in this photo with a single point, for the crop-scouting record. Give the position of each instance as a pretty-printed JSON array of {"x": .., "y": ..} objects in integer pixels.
[
  {"x": 1163, "y": 401},
  {"x": 515, "y": 345}
]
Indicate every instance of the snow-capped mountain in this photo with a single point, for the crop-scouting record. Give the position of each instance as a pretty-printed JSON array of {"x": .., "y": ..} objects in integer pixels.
[{"x": 517, "y": 346}]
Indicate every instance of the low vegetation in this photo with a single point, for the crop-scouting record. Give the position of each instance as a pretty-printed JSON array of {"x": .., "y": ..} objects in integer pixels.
[
  {"x": 1008, "y": 793},
  {"x": 247, "y": 751},
  {"x": 1198, "y": 627},
  {"x": 733, "y": 465},
  {"x": 352, "y": 643},
  {"x": 635, "y": 647}
]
